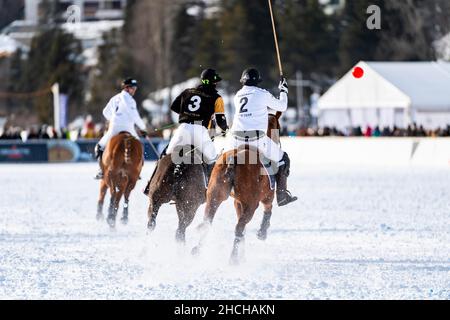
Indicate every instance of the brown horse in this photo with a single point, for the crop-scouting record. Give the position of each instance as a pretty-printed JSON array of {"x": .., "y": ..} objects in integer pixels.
[
  {"x": 187, "y": 189},
  {"x": 235, "y": 175},
  {"x": 122, "y": 163}
]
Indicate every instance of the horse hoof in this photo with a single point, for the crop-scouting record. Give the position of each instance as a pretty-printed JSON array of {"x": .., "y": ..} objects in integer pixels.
[
  {"x": 111, "y": 222},
  {"x": 195, "y": 251},
  {"x": 124, "y": 221},
  {"x": 151, "y": 225},
  {"x": 99, "y": 216},
  {"x": 202, "y": 227},
  {"x": 234, "y": 260},
  {"x": 180, "y": 238},
  {"x": 261, "y": 235}
]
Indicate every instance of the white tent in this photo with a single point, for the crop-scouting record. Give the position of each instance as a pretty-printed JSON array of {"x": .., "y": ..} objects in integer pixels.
[{"x": 389, "y": 93}]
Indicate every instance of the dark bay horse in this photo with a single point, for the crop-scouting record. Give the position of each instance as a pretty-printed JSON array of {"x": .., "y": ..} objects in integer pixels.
[
  {"x": 236, "y": 176},
  {"x": 187, "y": 190},
  {"x": 122, "y": 163}
]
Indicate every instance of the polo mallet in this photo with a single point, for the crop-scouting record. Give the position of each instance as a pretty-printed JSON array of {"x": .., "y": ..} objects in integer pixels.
[
  {"x": 153, "y": 146},
  {"x": 275, "y": 39},
  {"x": 166, "y": 127},
  {"x": 276, "y": 46}
]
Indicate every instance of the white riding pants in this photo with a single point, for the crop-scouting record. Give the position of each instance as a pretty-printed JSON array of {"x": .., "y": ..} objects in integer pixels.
[
  {"x": 265, "y": 145},
  {"x": 196, "y": 135},
  {"x": 115, "y": 130}
]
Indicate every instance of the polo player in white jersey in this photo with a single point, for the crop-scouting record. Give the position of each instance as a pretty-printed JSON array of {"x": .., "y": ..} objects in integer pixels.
[
  {"x": 251, "y": 120},
  {"x": 122, "y": 114}
]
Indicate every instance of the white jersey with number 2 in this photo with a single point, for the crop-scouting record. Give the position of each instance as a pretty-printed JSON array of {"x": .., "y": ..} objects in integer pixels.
[{"x": 252, "y": 106}]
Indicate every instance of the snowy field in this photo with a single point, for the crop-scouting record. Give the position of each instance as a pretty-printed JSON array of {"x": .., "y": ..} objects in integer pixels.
[{"x": 356, "y": 233}]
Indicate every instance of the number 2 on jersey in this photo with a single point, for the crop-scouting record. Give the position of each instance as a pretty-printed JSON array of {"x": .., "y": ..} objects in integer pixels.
[
  {"x": 243, "y": 103},
  {"x": 195, "y": 103}
]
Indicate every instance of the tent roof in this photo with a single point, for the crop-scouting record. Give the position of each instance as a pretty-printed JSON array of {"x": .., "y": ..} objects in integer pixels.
[{"x": 423, "y": 86}]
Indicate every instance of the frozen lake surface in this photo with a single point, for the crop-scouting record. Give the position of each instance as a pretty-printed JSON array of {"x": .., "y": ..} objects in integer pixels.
[{"x": 355, "y": 233}]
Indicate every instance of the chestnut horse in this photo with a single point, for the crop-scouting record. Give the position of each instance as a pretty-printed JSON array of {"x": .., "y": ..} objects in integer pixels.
[
  {"x": 244, "y": 181},
  {"x": 122, "y": 163},
  {"x": 188, "y": 190}
]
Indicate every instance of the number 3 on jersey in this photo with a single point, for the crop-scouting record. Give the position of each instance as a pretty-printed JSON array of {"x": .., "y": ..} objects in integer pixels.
[{"x": 195, "y": 103}]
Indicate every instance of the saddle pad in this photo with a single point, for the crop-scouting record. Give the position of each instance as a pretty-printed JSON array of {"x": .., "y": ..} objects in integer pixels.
[{"x": 267, "y": 167}]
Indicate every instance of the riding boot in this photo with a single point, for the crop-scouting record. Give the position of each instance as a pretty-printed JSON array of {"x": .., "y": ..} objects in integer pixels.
[
  {"x": 284, "y": 197},
  {"x": 98, "y": 156}
]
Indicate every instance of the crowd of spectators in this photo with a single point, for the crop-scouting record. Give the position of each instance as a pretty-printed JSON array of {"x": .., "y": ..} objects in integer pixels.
[
  {"x": 90, "y": 130},
  {"x": 411, "y": 131}
]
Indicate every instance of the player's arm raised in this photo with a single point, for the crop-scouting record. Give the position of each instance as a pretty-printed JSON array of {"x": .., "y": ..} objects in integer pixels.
[{"x": 280, "y": 104}]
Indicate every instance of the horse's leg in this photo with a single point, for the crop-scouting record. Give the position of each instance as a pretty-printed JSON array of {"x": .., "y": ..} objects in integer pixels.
[
  {"x": 101, "y": 199},
  {"x": 117, "y": 202},
  {"x": 214, "y": 200},
  {"x": 124, "y": 218},
  {"x": 111, "y": 219},
  {"x": 128, "y": 190},
  {"x": 219, "y": 189},
  {"x": 153, "y": 209},
  {"x": 215, "y": 196},
  {"x": 185, "y": 217},
  {"x": 116, "y": 195},
  {"x": 245, "y": 213},
  {"x": 180, "y": 233},
  {"x": 265, "y": 224},
  {"x": 160, "y": 190}
]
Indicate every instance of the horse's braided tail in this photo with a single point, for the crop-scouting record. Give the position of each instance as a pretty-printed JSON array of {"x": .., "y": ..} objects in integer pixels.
[{"x": 127, "y": 150}]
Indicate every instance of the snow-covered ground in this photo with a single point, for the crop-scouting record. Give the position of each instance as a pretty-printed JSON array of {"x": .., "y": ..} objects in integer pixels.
[{"x": 355, "y": 233}]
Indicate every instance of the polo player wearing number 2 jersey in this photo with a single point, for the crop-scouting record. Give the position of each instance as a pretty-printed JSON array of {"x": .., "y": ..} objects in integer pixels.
[{"x": 250, "y": 124}]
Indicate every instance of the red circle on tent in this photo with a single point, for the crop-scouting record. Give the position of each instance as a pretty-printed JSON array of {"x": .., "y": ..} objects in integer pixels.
[{"x": 358, "y": 72}]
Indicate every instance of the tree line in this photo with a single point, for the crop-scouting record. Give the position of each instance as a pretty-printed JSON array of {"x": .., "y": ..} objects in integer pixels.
[{"x": 164, "y": 42}]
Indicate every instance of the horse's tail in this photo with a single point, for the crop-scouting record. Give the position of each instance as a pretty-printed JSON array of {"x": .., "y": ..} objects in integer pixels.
[
  {"x": 127, "y": 150},
  {"x": 121, "y": 152},
  {"x": 230, "y": 171}
]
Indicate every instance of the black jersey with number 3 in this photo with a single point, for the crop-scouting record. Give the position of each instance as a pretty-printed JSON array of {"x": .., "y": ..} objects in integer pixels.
[{"x": 197, "y": 105}]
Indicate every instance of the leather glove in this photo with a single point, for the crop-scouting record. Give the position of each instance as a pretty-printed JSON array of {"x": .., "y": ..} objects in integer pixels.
[{"x": 283, "y": 86}]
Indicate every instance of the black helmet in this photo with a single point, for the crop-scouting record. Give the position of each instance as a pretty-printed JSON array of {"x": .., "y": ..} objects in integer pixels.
[
  {"x": 250, "y": 77},
  {"x": 129, "y": 82},
  {"x": 210, "y": 76}
]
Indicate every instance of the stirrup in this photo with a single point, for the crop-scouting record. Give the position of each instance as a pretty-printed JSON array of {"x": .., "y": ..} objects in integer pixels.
[{"x": 286, "y": 198}]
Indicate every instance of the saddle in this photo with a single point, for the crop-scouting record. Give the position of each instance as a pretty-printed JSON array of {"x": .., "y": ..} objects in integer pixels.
[{"x": 125, "y": 132}]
